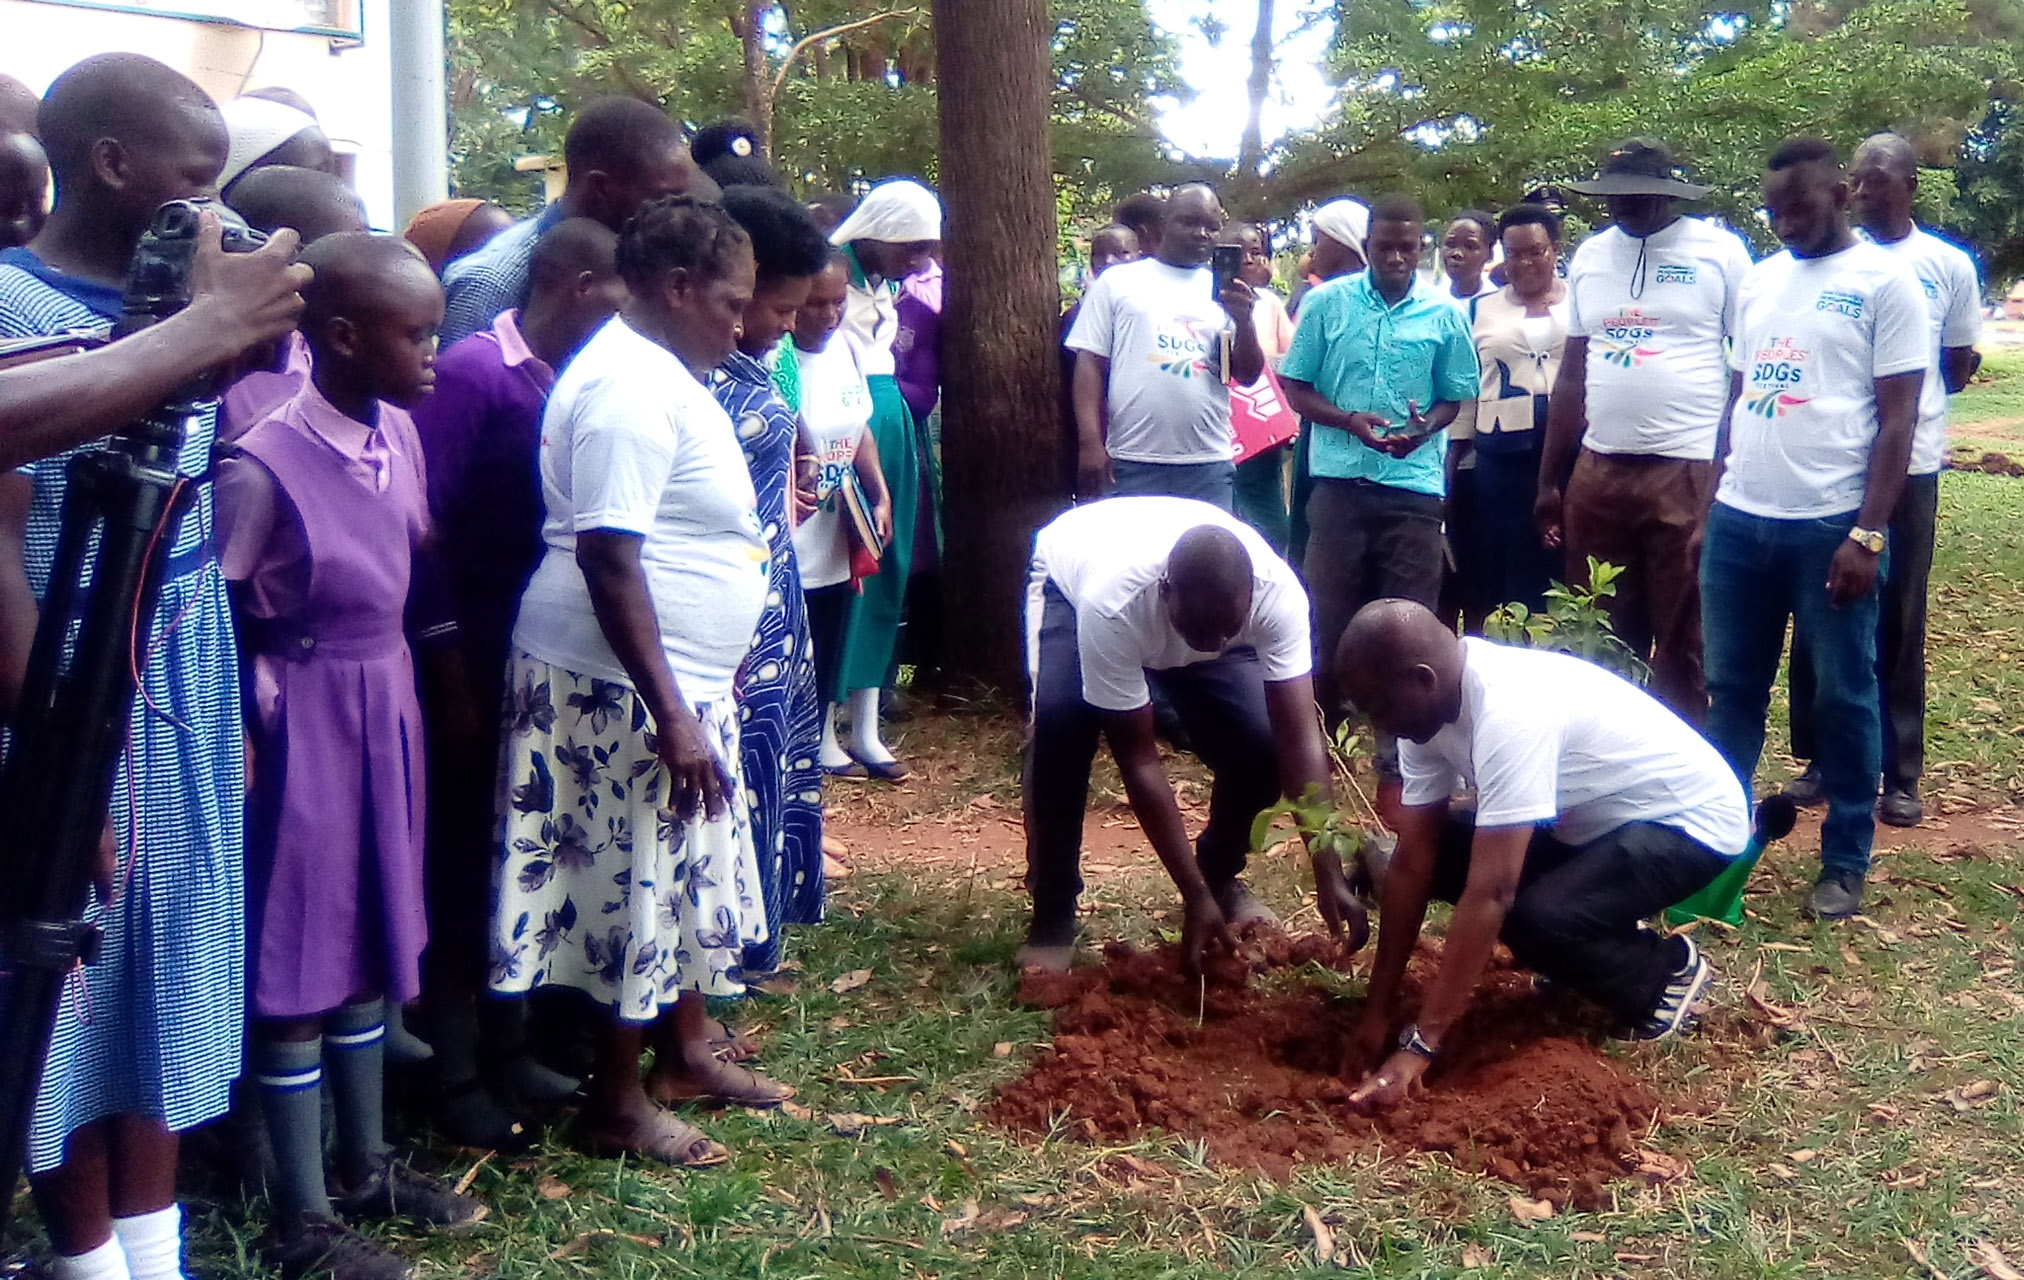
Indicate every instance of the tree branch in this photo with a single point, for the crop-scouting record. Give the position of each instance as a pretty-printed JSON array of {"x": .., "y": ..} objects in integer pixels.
[
  {"x": 598, "y": 35},
  {"x": 802, "y": 45}
]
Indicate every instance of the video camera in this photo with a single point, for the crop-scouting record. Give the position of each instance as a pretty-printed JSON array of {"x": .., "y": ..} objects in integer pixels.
[
  {"x": 157, "y": 281},
  {"x": 158, "y": 277},
  {"x": 121, "y": 507}
]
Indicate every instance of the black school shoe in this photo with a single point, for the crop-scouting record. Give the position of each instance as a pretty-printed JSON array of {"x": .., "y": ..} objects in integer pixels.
[
  {"x": 1837, "y": 895},
  {"x": 324, "y": 1247},
  {"x": 394, "y": 1190},
  {"x": 1900, "y": 807},
  {"x": 1807, "y": 790}
]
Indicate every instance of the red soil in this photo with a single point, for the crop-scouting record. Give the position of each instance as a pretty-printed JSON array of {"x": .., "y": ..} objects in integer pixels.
[{"x": 1525, "y": 1095}]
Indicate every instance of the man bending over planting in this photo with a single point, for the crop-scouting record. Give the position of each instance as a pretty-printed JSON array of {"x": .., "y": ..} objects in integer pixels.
[
  {"x": 1596, "y": 807},
  {"x": 1133, "y": 594}
]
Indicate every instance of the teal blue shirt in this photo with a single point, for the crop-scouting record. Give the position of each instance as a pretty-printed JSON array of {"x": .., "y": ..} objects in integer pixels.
[{"x": 1367, "y": 357}]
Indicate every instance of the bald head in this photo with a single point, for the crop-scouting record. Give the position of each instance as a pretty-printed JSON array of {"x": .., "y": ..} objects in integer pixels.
[
  {"x": 312, "y": 202},
  {"x": 1891, "y": 151},
  {"x": 1207, "y": 587},
  {"x": 1192, "y": 224},
  {"x": 18, "y": 105},
  {"x": 24, "y": 189},
  {"x": 1883, "y": 185},
  {"x": 1402, "y": 667},
  {"x": 354, "y": 270},
  {"x": 129, "y": 99}
]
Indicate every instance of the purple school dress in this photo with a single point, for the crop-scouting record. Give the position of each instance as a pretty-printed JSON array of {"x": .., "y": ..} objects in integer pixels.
[{"x": 335, "y": 817}]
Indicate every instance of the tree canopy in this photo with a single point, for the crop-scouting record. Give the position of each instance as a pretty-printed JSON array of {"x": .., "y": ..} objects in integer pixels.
[{"x": 1464, "y": 102}]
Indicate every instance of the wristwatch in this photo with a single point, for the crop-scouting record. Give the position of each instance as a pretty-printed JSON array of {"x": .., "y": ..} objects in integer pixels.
[
  {"x": 1869, "y": 540},
  {"x": 1411, "y": 1041}
]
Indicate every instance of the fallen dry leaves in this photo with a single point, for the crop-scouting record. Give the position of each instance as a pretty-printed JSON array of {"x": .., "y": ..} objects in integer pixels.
[
  {"x": 968, "y": 1218},
  {"x": 1324, "y": 1239},
  {"x": 1976, "y": 1093},
  {"x": 851, "y": 981},
  {"x": 848, "y": 1124},
  {"x": 1657, "y": 1166},
  {"x": 1991, "y": 1261},
  {"x": 1526, "y": 1210},
  {"x": 1474, "y": 1257}
]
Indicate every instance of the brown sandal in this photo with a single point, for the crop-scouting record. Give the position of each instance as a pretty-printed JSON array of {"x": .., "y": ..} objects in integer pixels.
[
  {"x": 668, "y": 1139},
  {"x": 758, "y": 1092}
]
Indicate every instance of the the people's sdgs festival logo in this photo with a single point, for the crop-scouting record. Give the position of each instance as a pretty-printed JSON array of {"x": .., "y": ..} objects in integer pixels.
[
  {"x": 1180, "y": 350},
  {"x": 1622, "y": 337},
  {"x": 1774, "y": 371}
]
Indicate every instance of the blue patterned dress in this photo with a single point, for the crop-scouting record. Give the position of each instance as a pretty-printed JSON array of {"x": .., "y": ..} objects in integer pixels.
[
  {"x": 154, "y": 1027},
  {"x": 779, "y": 713}
]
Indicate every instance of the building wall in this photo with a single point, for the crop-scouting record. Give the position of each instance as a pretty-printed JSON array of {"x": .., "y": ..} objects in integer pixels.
[{"x": 349, "y": 82}]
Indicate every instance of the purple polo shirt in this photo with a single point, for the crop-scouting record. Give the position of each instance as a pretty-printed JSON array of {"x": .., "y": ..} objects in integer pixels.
[{"x": 481, "y": 434}]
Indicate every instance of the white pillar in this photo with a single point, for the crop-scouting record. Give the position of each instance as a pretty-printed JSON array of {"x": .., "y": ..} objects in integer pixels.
[{"x": 421, "y": 106}]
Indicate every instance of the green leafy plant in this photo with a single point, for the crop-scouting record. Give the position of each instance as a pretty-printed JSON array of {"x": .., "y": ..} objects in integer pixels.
[
  {"x": 1324, "y": 827},
  {"x": 1575, "y": 622}
]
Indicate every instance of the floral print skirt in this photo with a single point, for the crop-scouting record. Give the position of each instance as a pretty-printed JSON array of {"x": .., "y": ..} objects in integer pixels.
[{"x": 600, "y": 887}]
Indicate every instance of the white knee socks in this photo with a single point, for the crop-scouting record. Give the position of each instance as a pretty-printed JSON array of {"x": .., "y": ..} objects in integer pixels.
[
  {"x": 153, "y": 1243},
  {"x": 147, "y": 1246},
  {"x": 833, "y": 755},
  {"x": 107, "y": 1262},
  {"x": 865, "y": 742}
]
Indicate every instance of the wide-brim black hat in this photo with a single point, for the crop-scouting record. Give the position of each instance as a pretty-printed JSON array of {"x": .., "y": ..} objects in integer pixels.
[{"x": 1640, "y": 168}]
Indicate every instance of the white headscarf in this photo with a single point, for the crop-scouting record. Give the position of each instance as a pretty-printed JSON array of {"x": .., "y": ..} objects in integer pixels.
[
  {"x": 255, "y": 126},
  {"x": 1344, "y": 221},
  {"x": 898, "y": 212}
]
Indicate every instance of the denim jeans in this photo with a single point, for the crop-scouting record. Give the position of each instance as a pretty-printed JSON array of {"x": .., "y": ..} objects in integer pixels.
[
  {"x": 1900, "y": 643},
  {"x": 1212, "y": 482},
  {"x": 1221, "y": 703},
  {"x": 1756, "y": 575}
]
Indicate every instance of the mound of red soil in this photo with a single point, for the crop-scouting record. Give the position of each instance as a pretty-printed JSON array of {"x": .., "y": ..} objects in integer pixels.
[{"x": 1524, "y": 1095}]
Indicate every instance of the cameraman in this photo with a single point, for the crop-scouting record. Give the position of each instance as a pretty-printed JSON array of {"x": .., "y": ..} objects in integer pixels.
[
  {"x": 148, "y": 1040},
  {"x": 238, "y": 304}
]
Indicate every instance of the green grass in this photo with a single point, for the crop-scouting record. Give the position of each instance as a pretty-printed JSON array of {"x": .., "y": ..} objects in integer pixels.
[
  {"x": 1989, "y": 415},
  {"x": 1894, "y": 1016},
  {"x": 1822, "y": 1150}
]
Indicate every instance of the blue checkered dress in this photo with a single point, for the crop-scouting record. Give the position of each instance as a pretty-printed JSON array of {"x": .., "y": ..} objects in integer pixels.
[
  {"x": 155, "y": 1026},
  {"x": 480, "y": 285}
]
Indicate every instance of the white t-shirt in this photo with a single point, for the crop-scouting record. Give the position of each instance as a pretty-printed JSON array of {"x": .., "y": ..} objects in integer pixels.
[
  {"x": 1812, "y": 337},
  {"x": 1108, "y": 557},
  {"x": 1657, "y": 375},
  {"x": 1953, "y": 295},
  {"x": 1159, "y": 326},
  {"x": 836, "y": 405},
  {"x": 1546, "y": 737},
  {"x": 632, "y": 442}
]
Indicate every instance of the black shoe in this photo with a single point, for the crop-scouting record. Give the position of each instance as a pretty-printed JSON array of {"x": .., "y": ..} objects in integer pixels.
[
  {"x": 317, "y": 1246},
  {"x": 1900, "y": 807},
  {"x": 394, "y": 1190},
  {"x": 472, "y": 1117},
  {"x": 1239, "y": 907},
  {"x": 1807, "y": 791},
  {"x": 1679, "y": 1008},
  {"x": 1837, "y": 896}
]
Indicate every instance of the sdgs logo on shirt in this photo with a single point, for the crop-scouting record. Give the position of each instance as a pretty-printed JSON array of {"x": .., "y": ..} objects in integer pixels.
[
  {"x": 1678, "y": 275},
  {"x": 1841, "y": 302},
  {"x": 1624, "y": 338},
  {"x": 1775, "y": 372},
  {"x": 1179, "y": 349}
]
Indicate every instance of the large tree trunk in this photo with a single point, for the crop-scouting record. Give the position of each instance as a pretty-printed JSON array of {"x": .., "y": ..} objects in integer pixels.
[
  {"x": 1251, "y": 150},
  {"x": 758, "y": 81},
  {"x": 1001, "y": 434}
]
